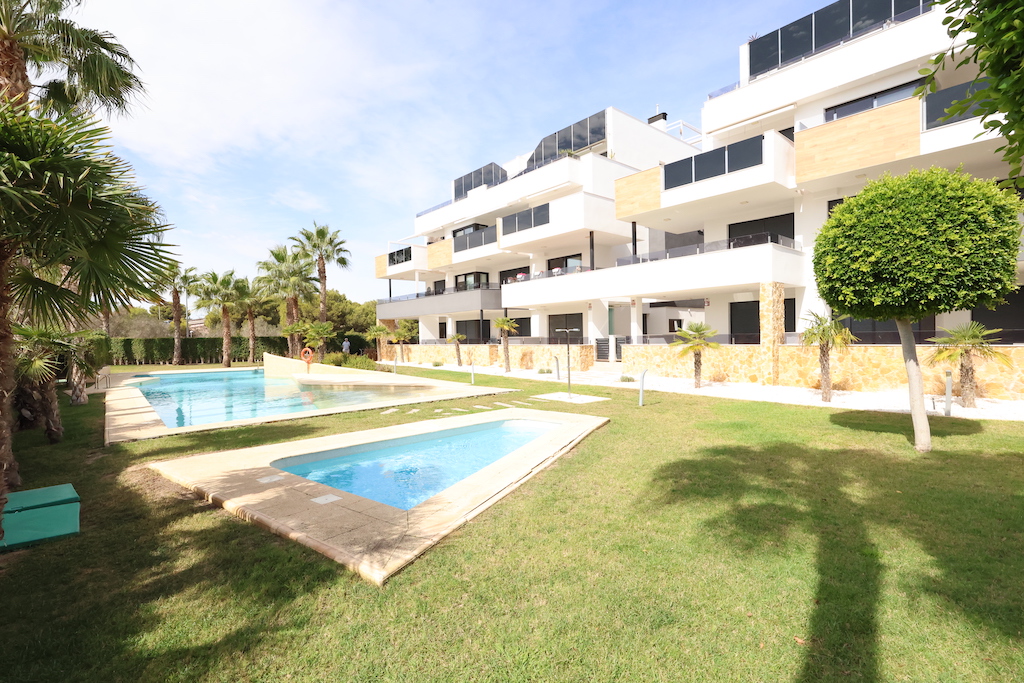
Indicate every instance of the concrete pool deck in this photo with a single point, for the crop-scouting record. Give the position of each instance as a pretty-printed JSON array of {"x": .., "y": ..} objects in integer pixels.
[
  {"x": 130, "y": 417},
  {"x": 370, "y": 538}
]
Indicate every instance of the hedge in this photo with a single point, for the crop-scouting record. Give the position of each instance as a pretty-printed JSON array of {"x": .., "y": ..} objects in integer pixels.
[
  {"x": 160, "y": 350},
  {"x": 130, "y": 351}
]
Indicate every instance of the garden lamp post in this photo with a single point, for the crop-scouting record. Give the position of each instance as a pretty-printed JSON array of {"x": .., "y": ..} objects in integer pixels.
[{"x": 568, "y": 357}]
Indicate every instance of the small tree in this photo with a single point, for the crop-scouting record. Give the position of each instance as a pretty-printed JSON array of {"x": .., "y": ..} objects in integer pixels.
[
  {"x": 316, "y": 336},
  {"x": 916, "y": 245},
  {"x": 828, "y": 333},
  {"x": 249, "y": 300},
  {"x": 457, "y": 339},
  {"x": 406, "y": 332},
  {"x": 220, "y": 290},
  {"x": 695, "y": 338},
  {"x": 960, "y": 348},
  {"x": 506, "y": 326},
  {"x": 379, "y": 334}
]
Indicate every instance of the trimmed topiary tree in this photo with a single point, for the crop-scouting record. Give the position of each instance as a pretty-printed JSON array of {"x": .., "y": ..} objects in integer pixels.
[{"x": 912, "y": 246}]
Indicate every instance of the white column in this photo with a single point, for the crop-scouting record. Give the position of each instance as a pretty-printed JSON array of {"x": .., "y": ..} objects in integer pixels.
[
  {"x": 636, "y": 319},
  {"x": 597, "y": 319}
]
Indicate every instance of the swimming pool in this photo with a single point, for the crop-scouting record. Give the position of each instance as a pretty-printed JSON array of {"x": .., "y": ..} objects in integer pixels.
[
  {"x": 405, "y": 472},
  {"x": 199, "y": 398}
]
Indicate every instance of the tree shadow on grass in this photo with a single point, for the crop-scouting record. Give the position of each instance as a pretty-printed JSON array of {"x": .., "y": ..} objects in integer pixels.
[
  {"x": 157, "y": 586},
  {"x": 960, "y": 507},
  {"x": 900, "y": 423}
]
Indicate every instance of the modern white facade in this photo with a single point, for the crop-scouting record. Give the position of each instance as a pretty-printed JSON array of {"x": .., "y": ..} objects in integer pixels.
[{"x": 653, "y": 232}]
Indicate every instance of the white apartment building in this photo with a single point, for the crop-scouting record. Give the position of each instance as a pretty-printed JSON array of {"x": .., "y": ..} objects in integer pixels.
[
  {"x": 638, "y": 231},
  {"x": 545, "y": 218}
]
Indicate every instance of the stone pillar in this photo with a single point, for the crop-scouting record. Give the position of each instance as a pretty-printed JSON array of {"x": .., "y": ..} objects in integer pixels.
[{"x": 773, "y": 329}]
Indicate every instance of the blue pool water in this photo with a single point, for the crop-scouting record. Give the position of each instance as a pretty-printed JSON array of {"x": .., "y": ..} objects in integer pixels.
[
  {"x": 405, "y": 472},
  {"x": 198, "y": 398}
]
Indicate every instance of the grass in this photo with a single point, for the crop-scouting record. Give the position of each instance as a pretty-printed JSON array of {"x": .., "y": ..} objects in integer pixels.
[{"x": 691, "y": 539}]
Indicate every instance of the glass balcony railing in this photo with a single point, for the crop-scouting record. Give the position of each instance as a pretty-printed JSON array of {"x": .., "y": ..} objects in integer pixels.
[
  {"x": 460, "y": 287},
  {"x": 477, "y": 238},
  {"x": 827, "y": 28},
  {"x": 735, "y": 157},
  {"x": 400, "y": 256},
  {"x": 936, "y": 104},
  {"x": 707, "y": 247}
]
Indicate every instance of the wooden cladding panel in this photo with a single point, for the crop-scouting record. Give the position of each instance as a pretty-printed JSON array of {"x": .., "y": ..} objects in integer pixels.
[
  {"x": 380, "y": 266},
  {"x": 638, "y": 193},
  {"x": 874, "y": 137},
  {"x": 439, "y": 254}
]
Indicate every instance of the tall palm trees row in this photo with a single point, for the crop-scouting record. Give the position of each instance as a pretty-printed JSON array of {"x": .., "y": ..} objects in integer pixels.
[{"x": 287, "y": 274}]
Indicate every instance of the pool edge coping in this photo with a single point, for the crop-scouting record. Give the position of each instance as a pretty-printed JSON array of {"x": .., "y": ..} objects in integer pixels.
[{"x": 375, "y": 548}]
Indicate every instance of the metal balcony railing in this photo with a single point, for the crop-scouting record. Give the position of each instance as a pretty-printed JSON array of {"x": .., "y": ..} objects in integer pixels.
[{"x": 460, "y": 287}]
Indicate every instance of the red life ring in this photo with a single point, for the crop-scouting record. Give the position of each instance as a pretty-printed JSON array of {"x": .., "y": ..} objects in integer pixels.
[{"x": 307, "y": 354}]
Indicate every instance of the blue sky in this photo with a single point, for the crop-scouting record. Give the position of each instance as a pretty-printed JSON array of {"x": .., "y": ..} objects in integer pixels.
[{"x": 263, "y": 116}]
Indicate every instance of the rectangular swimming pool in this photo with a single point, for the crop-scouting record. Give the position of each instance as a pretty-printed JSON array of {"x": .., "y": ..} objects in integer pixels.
[
  {"x": 198, "y": 398},
  {"x": 406, "y": 471}
]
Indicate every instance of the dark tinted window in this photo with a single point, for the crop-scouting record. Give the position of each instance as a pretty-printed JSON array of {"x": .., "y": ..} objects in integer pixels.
[
  {"x": 597, "y": 127},
  {"x": 524, "y": 329},
  {"x": 580, "y": 134},
  {"x": 524, "y": 219},
  {"x": 796, "y": 39},
  {"x": 764, "y": 53},
  {"x": 541, "y": 214},
  {"x": 777, "y": 225},
  {"x": 709, "y": 164},
  {"x": 565, "y": 262},
  {"x": 936, "y": 104},
  {"x": 679, "y": 173},
  {"x": 831, "y": 24},
  {"x": 789, "y": 315},
  {"x": 1009, "y": 318},
  {"x": 906, "y": 6},
  {"x": 878, "y": 99},
  {"x": 564, "y": 140},
  {"x": 745, "y": 153},
  {"x": 745, "y": 321},
  {"x": 868, "y": 14},
  {"x": 511, "y": 273},
  {"x": 568, "y": 321},
  {"x": 788, "y": 133},
  {"x": 833, "y": 203},
  {"x": 508, "y": 225},
  {"x": 850, "y": 108}
]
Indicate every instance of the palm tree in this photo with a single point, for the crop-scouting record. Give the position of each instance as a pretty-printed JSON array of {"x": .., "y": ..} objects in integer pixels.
[
  {"x": 407, "y": 331},
  {"x": 248, "y": 301},
  {"x": 36, "y": 365},
  {"x": 314, "y": 335},
  {"x": 178, "y": 281},
  {"x": 289, "y": 275},
  {"x": 223, "y": 291},
  {"x": 506, "y": 326},
  {"x": 695, "y": 338},
  {"x": 64, "y": 197},
  {"x": 456, "y": 339},
  {"x": 960, "y": 347},
  {"x": 379, "y": 334},
  {"x": 93, "y": 71},
  {"x": 323, "y": 246},
  {"x": 828, "y": 333}
]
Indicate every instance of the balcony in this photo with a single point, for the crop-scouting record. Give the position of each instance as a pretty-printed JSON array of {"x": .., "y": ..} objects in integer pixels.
[
  {"x": 477, "y": 238},
  {"x": 402, "y": 263},
  {"x": 682, "y": 273},
  {"x": 760, "y": 169},
  {"x": 476, "y": 297}
]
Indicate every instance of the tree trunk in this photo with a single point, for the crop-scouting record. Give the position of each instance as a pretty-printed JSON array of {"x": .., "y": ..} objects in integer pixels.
[
  {"x": 922, "y": 433},
  {"x": 504, "y": 347},
  {"x": 696, "y": 369},
  {"x": 76, "y": 380},
  {"x": 826, "y": 373},
  {"x": 968, "y": 386},
  {"x": 226, "y": 346},
  {"x": 321, "y": 270},
  {"x": 458, "y": 353},
  {"x": 9, "y": 477},
  {"x": 292, "y": 312},
  {"x": 176, "y": 321},
  {"x": 105, "y": 314},
  {"x": 401, "y": 351},
  {"x": 50, "y": 407},
  {"x": 14, "y": 82},
  {"x": 252, "y": 335}
]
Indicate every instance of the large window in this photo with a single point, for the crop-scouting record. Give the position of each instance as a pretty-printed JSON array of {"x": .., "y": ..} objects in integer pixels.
[
  {"x": 525, "y": 328},
  {"x": 512, "y": 274},
  {"x": 870, "y": 331},
  {"x": 878, "y": 99},
  {"x": 567, "y": 263},
  {"x": 745, "y": 320},
  {"x": 776, "y": 225},
  {"x": 526, "y": 219},
  {"x": 470, "y": 281},
  {"x": 400, "y": 256},
  {"x": 471, "y": 330},
  {"x": 1009, "y": 318},
  {"x": 567, "y": 321},
  {"x": 826, "y": 28}
]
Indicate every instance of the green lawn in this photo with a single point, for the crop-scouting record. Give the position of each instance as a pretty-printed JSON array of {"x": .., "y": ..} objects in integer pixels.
[{"x": 691, "y": 539}]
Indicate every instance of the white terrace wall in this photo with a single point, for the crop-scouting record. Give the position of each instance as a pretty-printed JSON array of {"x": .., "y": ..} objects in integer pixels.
[{"x": 521, "y": 356}]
